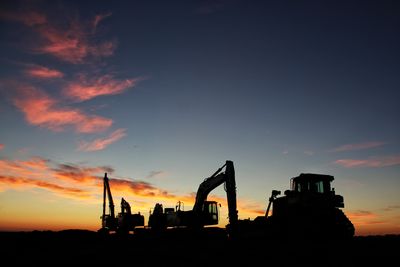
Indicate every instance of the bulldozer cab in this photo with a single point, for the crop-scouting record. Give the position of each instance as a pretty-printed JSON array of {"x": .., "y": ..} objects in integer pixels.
[{"x": 312, "y": 183}]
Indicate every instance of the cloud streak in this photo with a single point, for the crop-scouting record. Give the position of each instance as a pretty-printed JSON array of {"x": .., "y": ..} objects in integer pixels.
[
  {"x": 154, "y": 174},
  {"x": 98, "y": 18},
  {"x": 41, "y": 72},
  {"x": 71, "y": 41},
  {"x": 72, "y": 180},
  {"x": 85, "y": 89},
  {"x": 72, "y": 44},
  {"x": 42, "y": 110},
  {"x": 102, "y": 143},
  {"x": 20, "y": 181},
  {"x": 358, "y": 146},
  {"x": 375, "y": 162},
  {"x": 28, "y": 18}
]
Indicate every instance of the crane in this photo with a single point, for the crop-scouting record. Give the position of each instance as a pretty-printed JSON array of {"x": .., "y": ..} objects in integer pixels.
[{"x": 125, "y": 221}]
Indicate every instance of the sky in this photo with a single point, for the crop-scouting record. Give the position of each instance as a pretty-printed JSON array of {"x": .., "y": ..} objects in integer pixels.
[{"x": 159, "y": 94}]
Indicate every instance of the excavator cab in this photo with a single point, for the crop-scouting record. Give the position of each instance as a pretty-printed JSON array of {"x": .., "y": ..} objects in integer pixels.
[{"x": 210, "y": 213}]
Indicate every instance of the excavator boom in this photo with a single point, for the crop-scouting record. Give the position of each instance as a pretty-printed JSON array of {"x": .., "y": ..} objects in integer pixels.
[
  {"x": 107, "y": 194},
  {"x": 215, "y": 180},
  {"x": 204, "y": 212}
]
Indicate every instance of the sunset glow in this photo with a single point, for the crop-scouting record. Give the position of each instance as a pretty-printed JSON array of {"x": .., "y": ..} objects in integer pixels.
[{"x": 159, "y": 96}]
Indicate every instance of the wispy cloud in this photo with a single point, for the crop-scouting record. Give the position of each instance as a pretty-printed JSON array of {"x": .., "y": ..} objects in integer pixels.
[
  {"x": 364, "y": 218},
  {"x": 72, "y": 44},
  {"x": 98, "y": 18},
  {"x": 102, "y": 143},
  {"x": 41, "y": 72},
  {"x": 71, "y": 41},
  {"x": 28, "y": 18},
  {"x": 20, "y": 181},
  {"x": 154, "y": 174},
  {"x": 375, "y": 162},
  {"x": 392, "y": 208},
  {"x": 85, "y": 89},
  {"x": 358, "y": 146},
  {"x": 42, "y": 110},
  {"x": 71, "y": 180}
]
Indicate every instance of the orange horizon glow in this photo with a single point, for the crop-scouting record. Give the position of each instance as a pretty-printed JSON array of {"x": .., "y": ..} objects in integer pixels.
[{"x": 83, "y": 184}]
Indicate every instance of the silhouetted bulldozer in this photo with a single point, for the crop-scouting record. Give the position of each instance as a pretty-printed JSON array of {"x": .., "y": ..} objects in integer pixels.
[{"x": 310, "y": 209}]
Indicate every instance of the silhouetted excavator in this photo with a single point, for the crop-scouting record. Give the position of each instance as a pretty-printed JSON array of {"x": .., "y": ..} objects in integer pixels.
[
  {"x": 125, "y": 221},
  {"x": 204, "y": 212},
  {"x": 310, "y": 209}
]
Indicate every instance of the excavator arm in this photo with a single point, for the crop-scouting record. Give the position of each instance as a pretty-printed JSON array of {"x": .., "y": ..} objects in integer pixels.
[
  {"x": 125, "y": 207},
  {"x": 215, "y": 180},
  {"x": 107, "y": 193}
]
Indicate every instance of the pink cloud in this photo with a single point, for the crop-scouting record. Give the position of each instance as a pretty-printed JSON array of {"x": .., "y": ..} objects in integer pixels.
[
  {"x": 85, "y": 89},
  {"x": 30, "y": 18},
  {"x": 71, "y": 41},
  {"x": 102, "y": 143},
  {"x": 360, "y": 146},
  {"x": 43, "y": 72},
  {"x": 74, "y": 43},
  {"x": 42, "y": 110},
  {"x": 98, "y": 19},
  {"x": 1, "y": 146},
  {"x": 375, "y": 162}
]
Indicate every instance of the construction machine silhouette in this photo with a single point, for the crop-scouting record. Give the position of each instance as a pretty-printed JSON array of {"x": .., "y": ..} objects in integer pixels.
[
  {"x": 125, "y": 221},
  {"x": 204, "y": 212},
  {"x": 309, "y": 210}
]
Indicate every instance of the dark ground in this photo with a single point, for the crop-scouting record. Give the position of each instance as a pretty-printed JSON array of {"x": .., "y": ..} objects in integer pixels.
[{"x": 80, "y": 247}]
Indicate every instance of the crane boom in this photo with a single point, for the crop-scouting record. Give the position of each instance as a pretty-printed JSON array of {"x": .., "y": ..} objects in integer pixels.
[{"x": 110, "y": 198}]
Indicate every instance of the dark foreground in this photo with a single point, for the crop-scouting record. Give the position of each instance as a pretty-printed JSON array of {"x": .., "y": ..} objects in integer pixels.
[{"x": 80, "y": 247}]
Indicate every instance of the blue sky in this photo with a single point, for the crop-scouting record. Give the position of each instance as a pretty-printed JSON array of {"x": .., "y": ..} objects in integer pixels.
[{"x": 164, "y": 92}]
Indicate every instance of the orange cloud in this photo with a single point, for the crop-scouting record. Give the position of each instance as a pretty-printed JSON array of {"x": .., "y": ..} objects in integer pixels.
[
  {"x": 363, "y": 219},
  {"x": 83, "y": 182},
  {"x": 375, "y": 162},
  {"x": 42, "y": 110},
  {"x": 20, "y": 181},
  {"x": 72, "y": 181},
  {"x": 29, "y": 168},
  {"x": 360, "y": 146},
  {"x": 85, "y": 89},
  {"x": 102, "y": 143},
  {"x": 43, "y": 72},
  {"x": 79, "y": 174}
]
